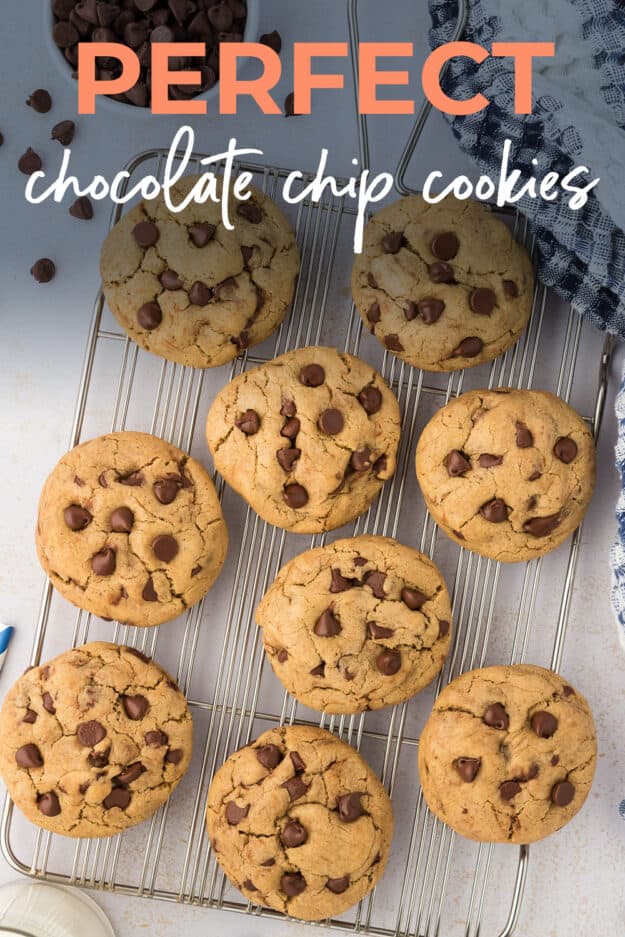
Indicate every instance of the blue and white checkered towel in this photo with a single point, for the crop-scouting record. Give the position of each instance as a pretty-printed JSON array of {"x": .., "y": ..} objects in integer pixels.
[{"x": 578, "y": 119}]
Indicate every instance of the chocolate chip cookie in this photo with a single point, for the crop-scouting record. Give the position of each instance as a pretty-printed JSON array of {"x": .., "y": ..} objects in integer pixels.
[
  {"x": 186, "y": 288},
  {"x": 300, "y": 823},
  {"x": 442, "y": 286},
  {"x": 358, "y": 624},
  {"x": 307, "y": 439},
  {"x": 94, "y": 741},
  {"x": 130, "y": 528},
  {"x": 507, "y": 473},
  {"x": 508, "y": 754}
]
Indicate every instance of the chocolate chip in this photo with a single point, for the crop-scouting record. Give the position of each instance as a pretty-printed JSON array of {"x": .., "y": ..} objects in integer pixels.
[
  {"x": 156, "y": 738},
  {"x": 349, "y": 807},
  {"x": 486, "y": 460},
  {"x": 340, "y": 583},
  {"x": 392, "y": 242},
  {"x": 535, "y": 476},
  {"x": 149, "y": 316},
  {"x": 43, "y": 270},
  {"x": 370, "y": 399},
  {"x": 294, "y": 834},
  {"x": 29, "y": 162},
  {"x": 510, "y": 289},
  {"x": 170, "y": 280},
  {"x": 555, "y": 760},
  {"x": 413, "y": 598},
  {"x": 482, "y": 301},
  {"x": 200, "y": 294},
  {"x": 104, "y": 562},
  {"x": 165, "y": 548},
  {"x": 249, "y": 210},
  {"x": 230, "y": 283},
  {"x": 295, "y": 787},
  {"x": 544, "y": 724},
  {"x": 291, "y": 428},
  {"x": 30, "y": 716},
  {"x": 49, "y": 804},
  {"x": 509, "y": 789},
  {"x": 542, "y": 526},
  {"x": 295, "y": 496},
  {"x": 99, "y": 759},
  {"x": 495, "y": 511},
  {"x": 445, "y": 246},
  {"x": 562, "y": 793},
  {"x": 430, "y": 310},
  {"x": 288, "y": 408},
  {"x": 135, "y": 707},
  {"x": 248, "y": 422},
  {"x": 90, "y": 733},
  {"x": 377, "y": 632},
  {"x": 457, "y": 463},
  {"x": 146, "y": 234},
  {"x": 174, "y": 756},
  {"x": 524, "y": 438},
  {"x": 40, "y": 101},
  {"x": 132, "y": 480},
  {"x": 166, "y": 489},
  {"x": 122, "y": 520},
  {"x": 269, "y": 756},
  {"x": 201, "y": 234},
  {"x": 82, "y": 209},
  {"x": 149, "y": 593},
  {"x": 361, "y": 461},
  {"x": 565, "y": 449},
  {"x": 528, "y": 775},
  {"x": 319, "y": 670},
  {"x": 77, "y": 518},
  {"x": 268, "y": 863},
  {"x": 468, "y": 348},
  {"x": 131, "y": 773},
  {"x": 64, "y": 132},
  {"x": 338, "y": 885},
  {"x": 29, "y": 756},
  {"x": 282, "y": 656},
  {"x": 496, "y": 716},
  {"x": 468, "y": 768},
  {"x": 375, "y": 580},
  {"x": 327, "y": 626},
  {"x": 388, "y": 662},
  {"x": 373, "y": 313},
  {"x": 441, "y": 273},
  {"x": 273, "y": 40},
  {"x": 411, "y": 311},
  {"x": 331, "y": 422},
  {"x": 119, "y": 797},
  {"x": 298, "y": 762},
  {"x": 371, "y": 280},
  {"x": 393, "y": 343},
  {"x": 443, "y": 629},
  {"x": 287, "y": 458},
  {"x": 65, "y": 35},
  {"x": 568, "y": 691},
  {"x": 292, "y": 884}
]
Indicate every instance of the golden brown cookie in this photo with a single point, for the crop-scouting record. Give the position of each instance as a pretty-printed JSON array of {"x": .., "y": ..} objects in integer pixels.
[
  {"x": 507, "y": 473},
  {"x": 357, "y": 624},
  {"x": 307, "y": 439},
  {"x": 300, "y": 823},
  {"x": 130, "y": 528},
  {"x": 507, "y": 754},
  {"x": 94, "y": 741},
  {"x": 186, "y": 288},
  {"x": 442, "y": 286}
]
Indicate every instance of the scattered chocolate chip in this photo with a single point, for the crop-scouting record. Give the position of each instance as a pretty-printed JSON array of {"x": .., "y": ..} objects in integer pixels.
[
  {"x": 430, "y": 310},
  {"x": 282, "y": 655},
  {"x": 166, "y": 489},
  {"x": 174, "y": 756},
  {"x": 30, "y": 716},
  {"x": 373, "y": 313},
  {"x": 122, "y": 520},
  {"x": 327, "y": 625},
  {"x": 510, "y": 289},
  {"x": 486, "y": 460},
  {"x": 269, "y": 756},
  {"x": 40, "y": 101},
  {"x": 49, "y": 804},
  {"x": 119, "y": 797},
  {"x": 250, "y": 211},
  {"x": 295, "y": 496},
  {"x": 413, "y": 598},
  {"x": 29, "y": 162},
  {"x": 562, "y": 793},
  {"x": 99, "y": 759},
  {"x": 371, "y": 280},
  {"x": 149, "y": 593},
  {"x": 375, "y": 580},
  {"x": 82, "y": 209},
  {"x": 90, "y": 733},
  {"x": 319, "y": 670},
  {"x": 331, "y": 422},
  {"x": 295, "y": 787},
  {"x": 287, "y": 458},
  {"x": 298, "y": 762},
  {"x": 443, "y": 629},
  {"x": 445, "y": 246},
  {"x": 64, "y": 132},
  {"x": 340, "y": 583},
  {"x": 411, "y": 311},
  {"x": 542, "y": 526},
  {"x": 380, "y": 465},
  {"x": 468, "y": 768},
  {"x": 29, "y": 756},
  {"x": 441, "y": 273},
  {"x": 132, "y": 480},
  {"x": 544, "y": 724},
  {"x": 495, "y": 511},
  {"x": 370, "y": 399},
  {"x": 268, "y": 862},
  {"x": 248, "y": 422},
  {"x": 135, "y": 707},
  {"x": 130, "y": 773},
  {"x": 104, "y": 562},
  {"x": 377, "y": 632},
  {"x": 509, "y": 789},
  {"x": 528, "y": 775},
  {"x": 234, "y": 813},
  {"x": 361, "y": 461},
  {"x": 149, "y": 316},
  {"x": 555, "y": 760},
  {"x": 568, "y": 691},
  {"x": 48, "y": 703},
  {"x": 496, "y": 716},
  {"x": 170, "y": 280},
  {"x": 196, "y": 570},
  {"x": 43, "y": 270},
  {"x": 338, "y": 885},
  {"x": 524, "y": 438},
  {"x": 565, "y": 449},
  {"x": 457, "y": 463},
  {"x": 482, "y": 301},
  {"x": 294, "y": 834},
  {"x": 200, "y": 294},
  {"x": 201, "y": 234},
  {"x": 393, "y": 343},
  {"x": 349, "y": 807},
  {"x": 273, "y": 40},
  {"x": 146, "y": 234},
  {"x": 388, "y": 662},
  {"x": 292, "y": 884},
  {"x": 165, "y": 548},
  {"x": 468, "y": 348},
  {"x": 156, "y": 738},
  {"x": 392, "y": 242},
  {"x": 291, "y": 428},
  {"x": 77, "y": 518},
  {"x": 535, "y": 476}
]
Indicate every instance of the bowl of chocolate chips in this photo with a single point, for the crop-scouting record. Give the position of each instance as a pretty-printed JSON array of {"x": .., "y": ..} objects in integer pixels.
[{"x": 139, "y": 23}]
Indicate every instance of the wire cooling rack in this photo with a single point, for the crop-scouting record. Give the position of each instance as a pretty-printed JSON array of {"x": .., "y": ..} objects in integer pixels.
[{"x": 435, "y": 883}]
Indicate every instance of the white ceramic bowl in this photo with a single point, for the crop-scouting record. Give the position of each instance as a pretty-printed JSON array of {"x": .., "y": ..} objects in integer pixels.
[{"x": 120, "y": 107}]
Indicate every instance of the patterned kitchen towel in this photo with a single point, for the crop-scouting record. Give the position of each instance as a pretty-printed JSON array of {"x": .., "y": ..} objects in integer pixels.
[{"x": 578, "y": 119}]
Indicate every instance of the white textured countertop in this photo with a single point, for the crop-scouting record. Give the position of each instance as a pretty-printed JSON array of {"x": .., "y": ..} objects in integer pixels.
[{"x": 575, "y": 879}]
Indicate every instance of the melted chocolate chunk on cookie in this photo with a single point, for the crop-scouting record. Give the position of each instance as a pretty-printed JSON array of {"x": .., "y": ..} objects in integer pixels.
[
  {"x": 361, "y": 461},
  {"x": 349, "y": 807},
  {"x": 496, "y": 717},
  {"x": 291, "y": 428},
  {"x": 441, "y": 273},
  {"x": 495, "y": 511},
  {"x": 76, "y": 517},
  {"x": 468, "y": 768},
  {"x": 135, "y": 707},
  {"x": 170, "y": 280},
  {"x": 457, "y": 463},
  {"x": 565, "y": 449},
  {"x": 130, "y": 773},
  {"x": 524, "y": 438},
  {"x": 370, "y": 399},
  {"x": 430, "y": 310},
  {"x": 174, "y": 756},
  {"x": 388, "y": 662},
  {"x": 377, "y": 632},
  {"x": 30, "y": 716},
  {"x": 288, "y": 457},
  {"x": 312, "y": 375},
  {"x": 562, "y": 793},
  {"x": 319, "y": 670},
  {"x": 327, "y": 625},
  {"x": 156, "y": 738},
  {"x": 338, "y": 885},
  {"x": 544, "y": 724},
  {"x": 510, "y": 289},
  {"x": 29, "y": 756},
  {"x": 200, "y": 294},
  {"x": 482, "y": 301},
  {"x": 298, "y": 762},
  {"x": 104, "y": 562},
  {"x": 282, "y": 655},
  {"x": 119, "y": 797},
  {"x": 99, "y": 759},
  {"x": 445, "y": 246},
  {"x": 487, "y": 460},
  {"x": 250, "y": 211},
  {"x": 293, "y": 835},
  {"x": 392, "y": 242},
  {"x": 90, "y": 733},
  {"x": 331, "y": 422},
  {"x": 411, "y": 311},
  {"x": 295, "y": 787},
  {"x": 122, "y": 520},
  {"x": 131, "y": 480},
  {"x": 468, "y": 348},
  {"x": 413, "y": 598},
  {"x": 375, "y": 580},
  {"x": 542, "y": 526},
  {"x": 373, "y": 314},
  {"x": 295, "y": 496},
  {"x": 443, "y": 628},
  {"x": 166, "y": 489},
  {"x": 269, "y": 756},
  {"x": 234, "y": 813},
  {"x": 49, "y": 804},
  {"x": 509, "y": 789},
  {"x": 248, "y": 422},
  {"x": 393, "y": 343},
  {"x": 149, "y": 316},
  {"x": 149, "y": 593},
  {"x": 293, "y": 884},
  {"x": 165, "y": 548},
  {"x": 201, "y": 234}
]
